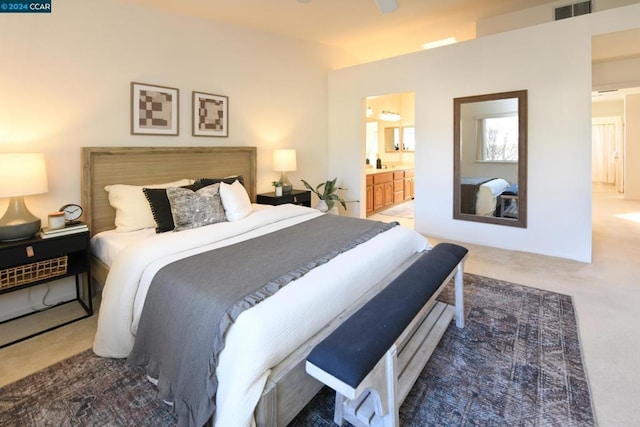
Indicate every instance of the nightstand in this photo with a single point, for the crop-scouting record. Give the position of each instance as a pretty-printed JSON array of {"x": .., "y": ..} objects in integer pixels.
[
  {"x": 35, "y": 262},
  {"x": 297, "y": 197}
]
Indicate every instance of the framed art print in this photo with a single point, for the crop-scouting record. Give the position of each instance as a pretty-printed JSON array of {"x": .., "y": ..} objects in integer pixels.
[
  {"x": 210, "y": 115},
  {"x": 154, "y": 110}
]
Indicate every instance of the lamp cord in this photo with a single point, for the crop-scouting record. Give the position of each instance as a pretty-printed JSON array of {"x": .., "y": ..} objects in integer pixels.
[{"x": 43, "y": 303}]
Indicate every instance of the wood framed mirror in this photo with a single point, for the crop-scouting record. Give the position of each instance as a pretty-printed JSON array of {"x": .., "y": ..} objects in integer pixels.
[{"x": 490, "y": 158}]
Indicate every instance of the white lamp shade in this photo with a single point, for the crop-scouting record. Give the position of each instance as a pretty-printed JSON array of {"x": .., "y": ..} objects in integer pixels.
[
  {"x": 22, "y": 174},
  {"x": 284, "y": 160}
]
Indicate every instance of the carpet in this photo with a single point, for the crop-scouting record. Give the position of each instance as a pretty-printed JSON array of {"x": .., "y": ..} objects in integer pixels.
[
  {"x": 404, "y": 210},
  {"x": 517, "y": 362}
]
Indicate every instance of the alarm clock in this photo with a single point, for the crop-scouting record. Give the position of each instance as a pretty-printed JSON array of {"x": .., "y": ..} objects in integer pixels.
[{"x": 72, "y": 213}]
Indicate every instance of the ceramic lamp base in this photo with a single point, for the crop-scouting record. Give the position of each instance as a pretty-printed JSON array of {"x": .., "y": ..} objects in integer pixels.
[
  {"x": 285, "y": 184},
  {"x": 18, "y": 223}
]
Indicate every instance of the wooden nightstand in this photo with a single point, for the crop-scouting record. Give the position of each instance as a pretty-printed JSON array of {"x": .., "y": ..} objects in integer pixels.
[
  {"x": 297, "y": 197},
  {"x": 35, "y": 262}
]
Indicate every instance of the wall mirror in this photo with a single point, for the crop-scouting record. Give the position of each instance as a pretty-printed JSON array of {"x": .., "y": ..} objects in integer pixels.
[
  {"x": 490, "y": 158},
  {"x": 399, "y": 138}
]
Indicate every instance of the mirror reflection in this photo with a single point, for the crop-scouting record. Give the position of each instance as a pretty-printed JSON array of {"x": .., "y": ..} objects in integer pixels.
[
  {"x": 399, "y": 138},
  {"x": 490, "y": 134},
  {"x": 392, "y": 139}
]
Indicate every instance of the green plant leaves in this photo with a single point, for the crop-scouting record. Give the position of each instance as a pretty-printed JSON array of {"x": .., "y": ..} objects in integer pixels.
[{"x": 328, "y": 194}]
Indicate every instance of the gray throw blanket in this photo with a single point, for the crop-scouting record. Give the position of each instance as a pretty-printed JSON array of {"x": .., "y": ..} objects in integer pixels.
[{"x": 191, "y": 303}]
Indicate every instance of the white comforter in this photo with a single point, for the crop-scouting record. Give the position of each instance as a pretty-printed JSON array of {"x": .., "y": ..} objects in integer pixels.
[
  {"x": 265, "y": 334},
  {"x": 487, "y": 196}
]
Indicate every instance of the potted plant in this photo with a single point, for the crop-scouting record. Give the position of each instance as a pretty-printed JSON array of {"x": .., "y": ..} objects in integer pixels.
[
  {"x": 278, "y": 188},
  {"x": 327, "y": 193}
]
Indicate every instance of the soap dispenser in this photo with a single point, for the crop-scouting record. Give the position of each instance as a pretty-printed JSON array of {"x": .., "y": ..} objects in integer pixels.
[{"x": 378, "y": 162}]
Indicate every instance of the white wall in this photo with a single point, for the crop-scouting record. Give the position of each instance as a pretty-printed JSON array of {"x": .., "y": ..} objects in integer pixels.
[
  {"x": 537, "y": 15},
  {"x": 65, "y": 83},
  {"x": 608, "y": 108},
  {"x": 553, "y": 62},
  {"x": 632, "y": 140}
]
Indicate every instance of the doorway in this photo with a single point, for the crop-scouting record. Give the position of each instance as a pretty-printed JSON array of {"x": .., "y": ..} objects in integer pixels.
[
  {"x": 390, "y": 157},
  {"x": 607, "y": 152}
]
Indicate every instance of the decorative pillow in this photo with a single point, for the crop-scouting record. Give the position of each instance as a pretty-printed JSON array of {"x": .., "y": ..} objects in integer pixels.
[
  {"x": 195, "y": 209},
  {"x": 227, "y": 180},
  {"x": 235, "y": 200},
  {"x": 161, "y": 208},
  {"x": 132, "y": 210}
]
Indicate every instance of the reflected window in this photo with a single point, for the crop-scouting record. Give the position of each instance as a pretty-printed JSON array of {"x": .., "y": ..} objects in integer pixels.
[
  {"x": 408, "y": 138},
  {"x": 372, "y": 140},
  {"x": 399, "y": 139},
  {"x": 498, "y": 139}
]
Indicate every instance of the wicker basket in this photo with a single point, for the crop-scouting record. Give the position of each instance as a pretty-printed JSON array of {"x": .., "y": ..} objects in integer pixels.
[{"x": 29, "y": 273}]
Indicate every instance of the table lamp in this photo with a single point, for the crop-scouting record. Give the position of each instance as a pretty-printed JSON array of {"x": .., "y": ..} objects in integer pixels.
[
  {"x": 21, "y": 175},
  {"x": 284, "y": 161}
]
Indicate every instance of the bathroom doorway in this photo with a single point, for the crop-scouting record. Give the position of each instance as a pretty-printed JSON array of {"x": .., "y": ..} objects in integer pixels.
[{"x": 390, "y": 157}]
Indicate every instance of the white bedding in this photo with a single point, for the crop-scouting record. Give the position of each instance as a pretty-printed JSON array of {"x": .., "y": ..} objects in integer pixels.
[
  {"x": 107, "y": 245},
  {"x": 263, "y": 335},
  {"x": 487, "y": 196}
]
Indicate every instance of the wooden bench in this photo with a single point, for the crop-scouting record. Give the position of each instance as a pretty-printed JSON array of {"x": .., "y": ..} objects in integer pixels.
[{"x": 373, "y": 359}]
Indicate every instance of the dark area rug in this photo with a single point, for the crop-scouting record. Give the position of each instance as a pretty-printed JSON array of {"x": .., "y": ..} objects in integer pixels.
[{"x": 516, "y": 363}]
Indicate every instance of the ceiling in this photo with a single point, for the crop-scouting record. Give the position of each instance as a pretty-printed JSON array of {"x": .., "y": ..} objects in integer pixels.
[
  {"x": 615, "y": 46},
  {"x": 357, "y": 26},
  {"x": 620, "y": 45}
]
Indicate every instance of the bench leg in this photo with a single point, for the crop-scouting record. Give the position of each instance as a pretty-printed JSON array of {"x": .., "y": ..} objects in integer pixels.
[
  {"x": 338, "y": 412},
  {"x": 376, "y": 403},
  {"x": 459, "y": 293},
  {"x": 392, "y": 417}
]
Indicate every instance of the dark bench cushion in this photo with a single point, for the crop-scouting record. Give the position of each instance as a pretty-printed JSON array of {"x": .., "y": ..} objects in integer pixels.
[
  {"x": 351, "y": 351},
  {"x": 511, "y": 190}
]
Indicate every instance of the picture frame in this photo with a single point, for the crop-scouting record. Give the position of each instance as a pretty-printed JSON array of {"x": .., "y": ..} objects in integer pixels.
[
  {"x": 154, "y": 110},
  {"x": 210, "y": 115}
]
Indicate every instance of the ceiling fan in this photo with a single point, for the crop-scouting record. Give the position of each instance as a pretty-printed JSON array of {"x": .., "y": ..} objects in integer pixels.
[{"x": 387, "y": 6}]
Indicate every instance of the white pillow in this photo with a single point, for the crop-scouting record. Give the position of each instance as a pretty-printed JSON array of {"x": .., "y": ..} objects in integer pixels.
[
  {"x": 235, "y": 201},
  {"x": 132, "y": 209}
]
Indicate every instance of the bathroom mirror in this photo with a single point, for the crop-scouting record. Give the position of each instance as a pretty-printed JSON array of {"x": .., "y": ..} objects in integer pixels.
[
  {"x": 391, "y": 139},
  {"x": 490, "y": 158},
  {"x": 399, "y": 138}
]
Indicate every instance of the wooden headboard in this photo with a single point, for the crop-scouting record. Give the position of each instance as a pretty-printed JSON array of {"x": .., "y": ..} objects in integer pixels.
[{"x": 103, "y": 166}]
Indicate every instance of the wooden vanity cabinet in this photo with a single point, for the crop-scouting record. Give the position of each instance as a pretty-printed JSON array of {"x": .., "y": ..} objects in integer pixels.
[
  {"x": 382, "y": 190},
  {"x": 385, "y": 189},
  {"x": 398, "y": 186},
  {"x": 369, "y": 196},
  {"x": 409, "y": 181}
]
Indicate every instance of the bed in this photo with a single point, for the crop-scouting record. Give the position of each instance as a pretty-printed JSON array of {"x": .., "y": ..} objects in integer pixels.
[
  {"x": 269, "y": 389},
  {"x": 481, "y": 195}
]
